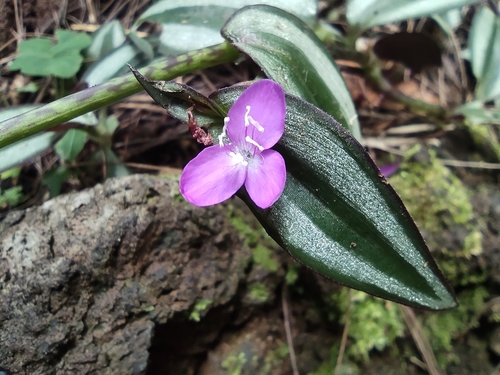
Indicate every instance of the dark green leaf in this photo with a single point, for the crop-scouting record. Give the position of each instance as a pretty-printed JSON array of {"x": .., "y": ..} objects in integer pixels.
[
  {"x": 177, "y": 99},
  {"x": 291, "y": 54},
  {"x": 484, "y": 44},
  {"x": 191, "y": 24},
  {"x": 339, "y": 216},
  {"x": 368, "y": 13}
]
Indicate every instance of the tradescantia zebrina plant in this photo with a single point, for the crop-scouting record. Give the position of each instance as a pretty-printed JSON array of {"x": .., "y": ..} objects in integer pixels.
[
  {"x": 337, "y": 214},
  {"x": 275, "y": 144}
]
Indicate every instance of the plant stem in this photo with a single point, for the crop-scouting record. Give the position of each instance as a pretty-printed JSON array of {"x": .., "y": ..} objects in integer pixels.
[
  {"x": 95, "y": 97},
  {"x": 344, "y": 49},
  {"x": 374, "y": 74}
]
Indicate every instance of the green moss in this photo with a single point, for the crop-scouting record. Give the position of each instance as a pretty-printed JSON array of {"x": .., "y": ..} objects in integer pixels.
[
  {"x": 12, "y": 196},
  {"x": 440, "y": 205},
  {"x": 442, "y": 327},
  {"x": 200, "y": 306},
  {"x": 473, "y": 243},
  {"x": 457, "y": 271},
  {"x": 234, "y": 363},
  {"x": 455, "y": 264},
  {"x": 242, "y": 225},
  {"x": 177, "y": 197},
  {"x": 175, "y": 193},
  {"x": 434, "y": 196},
  {"x": 281, "y": 352},
  {"x": 259, "y": 292},
  {"x": 263, "y": 256},
  {"x": 275, "y": 359},
  {"x": 292, "y": 273},
  {"x": 373, "y": 323},
  {"x": 147, "y": 308},
  {"x": 256, "y": 238},
  {"x": 495, "y": 316},
  {"x": 328, "y": 368}
]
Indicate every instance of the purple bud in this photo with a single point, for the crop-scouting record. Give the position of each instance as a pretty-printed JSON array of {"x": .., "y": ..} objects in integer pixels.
[{"x": 389, "y": 169}]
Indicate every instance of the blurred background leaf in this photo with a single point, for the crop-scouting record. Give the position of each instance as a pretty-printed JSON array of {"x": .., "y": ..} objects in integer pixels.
[
  {"x": 476, "y": 113},
  {"x": 368, "y": 13},
  {"x": 114, "y": 166},
  {"x": 110, "y": 65},
  {"x": 26, "y": 149},
  {"x": 142, "y": 44},
  {"x": 22, "y": 151},
  {"x": 108, "y": 37},
  {"x": 55, "y": 178},
  {"x": 70, "y": 145},
  {"x": 193, "y": 24},
  {"x": 484, "y": 45},
  {"x": 43, "y": 57}
]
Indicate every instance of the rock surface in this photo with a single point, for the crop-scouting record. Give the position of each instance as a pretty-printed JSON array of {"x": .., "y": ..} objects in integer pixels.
[{"x": 88, "y": 278}]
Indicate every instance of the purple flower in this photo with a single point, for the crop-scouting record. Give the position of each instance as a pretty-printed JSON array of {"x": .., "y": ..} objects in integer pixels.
[
  {"x": 254, "y": 124},
  {"x": 389, "y": 169}
]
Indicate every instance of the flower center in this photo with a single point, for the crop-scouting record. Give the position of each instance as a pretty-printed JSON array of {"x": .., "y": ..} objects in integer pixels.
[
  {"x": 238, "y": 158},
  {"x": 244, "y": 153}
]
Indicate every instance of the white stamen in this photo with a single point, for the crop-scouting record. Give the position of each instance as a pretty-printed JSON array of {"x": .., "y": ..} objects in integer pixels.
[
  {"x": 251, "y": 141},
  {"x": 238, "y": 158},
  {"x": 249, "y": 120},
  {"x": 224, "y": 132}
]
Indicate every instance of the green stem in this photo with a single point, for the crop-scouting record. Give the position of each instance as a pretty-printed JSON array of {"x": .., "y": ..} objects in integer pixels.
[{"x": 71, "y": 106}]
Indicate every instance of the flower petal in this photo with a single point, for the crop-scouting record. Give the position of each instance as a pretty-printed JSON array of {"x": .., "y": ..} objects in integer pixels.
[
  {"x": 263, "y": 105},
  {"x": 389, "y": 169},
  {"x": 266, "y": 178},
  {"x": 212, "y": 177}
]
